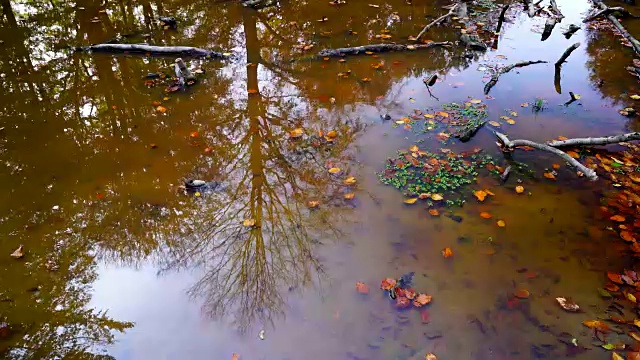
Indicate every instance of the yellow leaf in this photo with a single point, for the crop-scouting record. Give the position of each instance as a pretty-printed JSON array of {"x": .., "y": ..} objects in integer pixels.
[
  {"x": 480, "y": 195},
  {"x": 436, "y": 197},
  {"x": 635, "y": 97},
  {"x": 313, "y": 204},
  {"x": 161, "y": 109},
  {"x": 636, "y": 322},
  {"x": 615, "y": 356},
  {"x": 524, "y": 104},
  {"x": 350, "y": 180},
  {"x": 576, "y": 96},
  {"x": 249, "y": 222},
  {"x": 429, "y": 116},
  {"x": 399, "y": 122},
  {"x": 430, "y": 356},
  {"x": 443, "y": 114},
  {"x": 494, "y": 123},
  {"x": 475, "y": 101},
  {"x": 631, "y": 298},
  {"x": 332, "y": 134},
  {"x": 414, "y": 148},
  {"x": 411, "y": 201},
  {"x": 519, "y": 189},
  {"x": 447, "y": 253},
  {"x": 197, "y": 194},
  {"x": 296, "y": 133},
  {"x": 573, "y": 154},
  {"x": 514, "y": 114},
  {"x": 349, "y": 196},
  {"x": 334, "y": 170},
  {"x": 501, "y": 223},
  {"x": 511, "y": 121}
]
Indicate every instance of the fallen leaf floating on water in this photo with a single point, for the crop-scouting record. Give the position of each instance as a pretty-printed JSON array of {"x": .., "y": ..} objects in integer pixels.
[
  {"x": 485, "y": 215},
  {"x": 349, "y": 196},
  {"x": 616, "y": 278},
  {"x": 431, "y": 356},
  {"x": 411, "y": 201},
  {"x": 494, "y": 123},
  {"x": 522, "y": 294},
  {"x": 296, "y": 133},
  {"x": 615, "y": 356},
  {"x": 249, "y": 222},
  {"x": 261, "y": 334},
  {"x": 414, "y": 148},
  {"x": 524, "y": 104},
  {"x": 313, "y": 204},
  {"x": 194, "y": 134},
  {"x": 422, "y": 300},
  {"x": 519, "y": 189},
  {"x": 631, "y": 298},
  {"x": 434, "y": 212},
  {"x": 161, "y": 109},
  {"x": 556, "y": 166},
  {"x": 410, "y": 293},
  {"x": 501, "y": 223},
  {"x": 573, "y": 154},
  {"x": 443, "y": 114},
  {"x": 350, "y": 180},
  {"x": 402, "y": 302},
  {"x": 480, "y": 195},
  {"x": 567, "y": 304},
  {"x": 388, "y": 284},
  {"x": 627, "y": 236},
  {"x": 424, "y": 196},
  {"x": 18, "y": 253},
  {"x": 549, "y": 175},
  {"x": 510, "y": 121},
  {"x": 596, "y": 324},
  {"x": 334, "y": 170},
  {"x": 447, "y": 253},
  {"x": 362, "y": 288},
  {"x": 475, "y": 101},
  {"x": 235, "y": 356},
  {"x": 618, "y": 218},
  {"x": 436, "y": 197}
]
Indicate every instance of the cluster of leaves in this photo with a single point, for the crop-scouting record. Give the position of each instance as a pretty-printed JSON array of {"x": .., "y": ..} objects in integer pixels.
[
  {"x": 429, "y": 175},
  {"x": 403, "y": 294},
  {"x": 468, "y": 116}
]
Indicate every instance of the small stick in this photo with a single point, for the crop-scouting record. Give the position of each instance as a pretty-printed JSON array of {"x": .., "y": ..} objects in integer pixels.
[
  {"x": 554, "y": 6},
  {"x": 571, "y": 30},
  {"x": 437, "y": 21},
  {"x": 505, "y": 175},
  {"x": 506, "y": 69},
  {"x": 501, "y": 18},
  {"x": 566, "y": 54}
]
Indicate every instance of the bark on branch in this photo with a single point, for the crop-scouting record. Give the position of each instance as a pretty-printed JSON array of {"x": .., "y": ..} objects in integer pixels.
[
  {"x": 143, "y": 49},
  {"x": 566, "y": 54},
  {"x": 437, "y": 21},
  {"x": 554, "y": 7},
  {"x": 359, "y": 50},
  {"x": 618, "y": 25},
  {"x": 608, "y": 11},
  {"x": 616, "y": 139},
  {"x": 506, "y": 69},
  {"x": 511, "y": 144}
]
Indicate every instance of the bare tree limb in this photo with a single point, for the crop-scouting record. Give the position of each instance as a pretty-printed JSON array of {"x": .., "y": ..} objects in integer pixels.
[
  {"x": 359, "y": 50},
  {"x": 511, "y": 144},
  {"x": 608, "y": 11},
  {"x": 616, "y": 139},
  {"x": 184, "y": 51},
  {"x": 618, "y": 25},
  {"x": 506, "y": 69},
  {"x": 554, "y": 6},
  {"x": 437, "y": 21},
  {"x": 566, "y": 54}
]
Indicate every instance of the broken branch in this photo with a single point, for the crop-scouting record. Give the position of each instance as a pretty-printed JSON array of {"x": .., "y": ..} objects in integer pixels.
[
  {"x": 506, "y": 69},
  {"x": 571, "y": 30},
  {"x": 548, "y": 27},
  {"x": 566, "y": 54},
  {"x": 359, "y": 50},
  {"x": 511, "y": 144},
  {"x": 618, "y": 25},
  {"x": 150, "y": 50},
  {"x": 609, "y": 10},
  {"x": 554, "y": 7},
  {"x": 437, "y": 21},
  {"x": 616, "y": 139}
]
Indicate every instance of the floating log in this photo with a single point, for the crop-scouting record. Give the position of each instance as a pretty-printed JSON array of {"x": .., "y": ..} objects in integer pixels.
[
  {"x": 377, "y": 48},
  {"x": 571, "y": 30},
  {"x": 548, "y": 27},
  {"x": 506, "y": 69},
  {"x": 150, "y": 50},
  {"x": 566, "y": 54}
]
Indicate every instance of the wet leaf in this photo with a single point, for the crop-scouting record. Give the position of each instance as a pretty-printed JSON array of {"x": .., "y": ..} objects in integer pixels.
[
  {"x": 430, "y": 356},
  {"x": 422, "y": 300},
  {"x": 485, "y": 215},
  {"x": 475, "y": 101},
  {"x": 522, "y": 294},
  {"x": 608, "y": 346},
  {"x": 604, "y": 294},
  {"x": 350, "y": 180},
  {"x": 519, "y": 189},
  {"x": 494, "y": 123},
  {"x": 618, "y": 218},
  {"x": 296, "y": 133},
  {"x": 436, "y": 197},
  {"x": 235, "y": 356},
  {"x": 616, "y": 278},
  {"x": 511, "y": 121},
  {"x": 161, "y": 109},
  {"x": 434, "y": 212},
  {"x": 501, "y": 223},
  {"x": 443, "y": 114},
  {"x": 410, "y": 201},
  {"x": 480, "y": 195},
  {"x": 414, "y": 148},
  {"x": 249, "y": 222},
  {"x": 633, "y": 355},
  {"x": 362, "y": 288},
  {"x": 514, "y": 114},
  {"x": 388, "y": 284},
  {"x": 627, "y": 236},
  {"x": 18, "y": 253},
  {"x": 567, "y": 304},
  {"x": 596, "y": 324},
  {"x": 402, "y": 302},
  {"x": 313, "y": 204},
  {"x": 524, "y": 104},
  {"x": 615, "y": 356},
  {"x": 334, "y": 170},
  {"x": 556, "y": 166},
  {"x": 631, "y": 298},
  {"x": 612, "y": 287},
  {"x": 635, "y": 97},
  {"x": 410, "y": 293},
  {"x": 573, "y": 154},
  {"x": 349, "y": 196},
  {"x": 549, "y": 175},
  {"x": 252, "y": 91},
  {"x": 447, "y": 253},
  {"x": 194, "y": 134}
]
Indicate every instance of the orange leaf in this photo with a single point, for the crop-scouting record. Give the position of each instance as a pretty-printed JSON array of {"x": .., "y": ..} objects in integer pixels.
[
  {"x": 519, "y": 189},
  {"x": 616, "y": 278},
  {"x": 436, "y": 197},
  {"x": 521, "y": 294},
  {"x": 556, "y": 166},
  {"x": 596, "y": 324},
  {"x": 362, "y": 288},
  {"x": 388, "y": 284},
  {"x": 501, "y": 223},
  {"x": 485, "y": 215},
  {"x": 447, "y": 253},
  {"x": 443, "y": 114},
  {"x": 161, "y": 109},
  {"x": 252, "y": 91},
  {"x": 549, "y": 175},
  {"x": 626, "y": 236},
  {"x": 618, "y": 218},
  {"x": 194, "y": 134},
  {"x": 573, "y": 154},
  {"x": 481, "y": 195},
  {"x": 349, "y": 196},
  {"x": 421, "y": 300},
  {"x": 235, "y": 356},
  {"x": 313, "y": 204},
  {"x": 489, "y": 192},
  {"x": 434, "y": 212}
]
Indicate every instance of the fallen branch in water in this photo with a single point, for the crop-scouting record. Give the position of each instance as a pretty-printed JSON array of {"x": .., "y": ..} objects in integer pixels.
[
  {"x": 566, "y": 54},
  {"x": 506, "y": 69},
  {"x": 608, "y": 11},
  {"x": 590, "y": 141},
  {"x": 572, "y": 99},
  {"x": 571, "y": 30},
  {"x": 437, "y": 21},
  {"x": 501, "y": 17},
  {"x": 360, "y": 50},
  {"x": 511, "y": 144},
  {"x": 554, "y": 7},
  {"x": 634, "y": 43},
  {"x": 548, "y": 27},
  {"x": 150, "y": 50},
  {"x": 531, "y": 8}
]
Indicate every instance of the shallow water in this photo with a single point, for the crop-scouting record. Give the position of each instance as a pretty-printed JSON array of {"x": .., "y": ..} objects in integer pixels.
[{"x": 92, "y": 168}]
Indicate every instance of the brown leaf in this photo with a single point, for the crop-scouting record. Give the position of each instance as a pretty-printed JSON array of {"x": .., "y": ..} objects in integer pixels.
[
  {"x": 618, "y": 218},
  {"x": 422, "y": 300},
  {"x": 485, "y": 215},
  {"x": 522, "y": 294},
  {"x": 434, "y": 212},
  {"x": 616, "y": 278},
  {"x": 447, "y": 253},
  {"x": 596, "y": 324},
  {"x": 549, "y": 175},
  {"x": 388, "y": 284},
  {"x": 627, "y": 236},
  {"x": 350, "y": 180},
  {"x": 161, "y": 109},
  {"x": 362, "y": 288}
]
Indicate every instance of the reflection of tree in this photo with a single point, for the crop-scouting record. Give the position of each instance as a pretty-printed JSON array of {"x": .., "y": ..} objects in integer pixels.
[{"x": 99, "y": 122}]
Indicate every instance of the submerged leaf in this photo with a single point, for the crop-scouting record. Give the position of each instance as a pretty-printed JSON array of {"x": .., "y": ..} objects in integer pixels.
[
  {"x": 485, "y": 215},
  {"x": 549, "y": 175},
  {"x": 349, "y": 196},
  {"x": 596, "y": 324},
  {"x": 522, "y": 294},
  {"x": 567, "y": 304},
  {"x": 362, "y": 288},
  {"x": 410, "y": 201},
  {"x": 422, "y": 300},
  {"x": 447, "y": 253}
]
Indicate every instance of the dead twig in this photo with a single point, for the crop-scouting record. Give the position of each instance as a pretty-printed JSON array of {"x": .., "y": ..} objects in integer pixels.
[
  {"x": 506, "y": 69},
  {"x": 591, "y": 141},
  {"x": 609, "y": 10},
  {"x": 554, "y": 7},
  {"x": 361, "y": 50},
  {"x": 437, "y": 21},
  {"x": 566, "y": 54}
]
